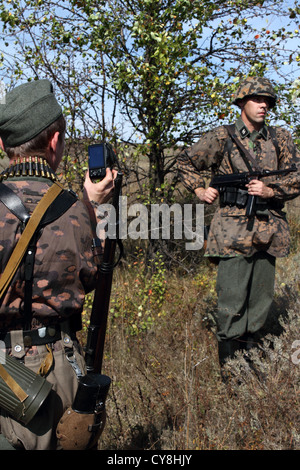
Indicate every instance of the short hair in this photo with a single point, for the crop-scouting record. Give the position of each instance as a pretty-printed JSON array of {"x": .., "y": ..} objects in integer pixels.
[{"x": 38, "y": 145}]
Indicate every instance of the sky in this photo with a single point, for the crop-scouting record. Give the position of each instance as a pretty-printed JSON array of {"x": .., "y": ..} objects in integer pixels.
[{"x": 272, "y": 22}]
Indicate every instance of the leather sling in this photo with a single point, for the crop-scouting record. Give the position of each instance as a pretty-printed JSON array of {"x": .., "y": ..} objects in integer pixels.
[{"x": 245, "y": 152}]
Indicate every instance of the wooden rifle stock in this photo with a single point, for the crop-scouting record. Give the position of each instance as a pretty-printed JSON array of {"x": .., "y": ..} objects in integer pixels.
[{"x": 100, "y": 308}]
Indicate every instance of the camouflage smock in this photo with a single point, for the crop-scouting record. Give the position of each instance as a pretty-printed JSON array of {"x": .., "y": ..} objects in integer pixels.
[
  {"x": 231, "y": 232},
  {"x": 64, "y": 270}
]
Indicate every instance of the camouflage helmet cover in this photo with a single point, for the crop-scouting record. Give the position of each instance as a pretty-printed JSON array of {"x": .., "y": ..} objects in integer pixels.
[{"x": 256, "y": 86}]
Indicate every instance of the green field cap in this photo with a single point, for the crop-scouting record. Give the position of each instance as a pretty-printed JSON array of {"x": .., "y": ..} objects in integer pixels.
[{"x": 28, "y": 110}]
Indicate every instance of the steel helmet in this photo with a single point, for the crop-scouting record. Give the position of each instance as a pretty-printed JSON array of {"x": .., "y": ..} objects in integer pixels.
[{"x": 256, "y": 86}]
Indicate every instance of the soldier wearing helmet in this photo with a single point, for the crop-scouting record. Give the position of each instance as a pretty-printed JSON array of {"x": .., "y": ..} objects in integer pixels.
[
  {"x": 244, "y": 248},
  {"x": 255, "y": 86}
]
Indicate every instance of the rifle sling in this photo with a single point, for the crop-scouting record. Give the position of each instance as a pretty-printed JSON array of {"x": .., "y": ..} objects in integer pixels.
[{"x": 13, "y": 203}]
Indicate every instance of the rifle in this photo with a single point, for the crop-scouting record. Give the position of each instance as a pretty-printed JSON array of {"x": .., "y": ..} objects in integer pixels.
[
  {"x": 239, "y": 181},
  {"x": 98, "y": 320},
  {"x": 94, "y": 386}
]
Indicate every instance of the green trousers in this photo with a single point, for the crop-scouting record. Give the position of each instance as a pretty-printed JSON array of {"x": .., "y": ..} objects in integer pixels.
[{"x": 245, "y": 288}]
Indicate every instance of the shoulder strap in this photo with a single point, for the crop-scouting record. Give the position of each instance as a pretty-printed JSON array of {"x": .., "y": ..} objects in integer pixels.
[
  {"x": 245, "y": 153},
  {"x": 228, "y": 147},
  {"x": 61, "y": 204},
  {"x": 272, "y": 133},
  {"x": 13, "y": 203}
]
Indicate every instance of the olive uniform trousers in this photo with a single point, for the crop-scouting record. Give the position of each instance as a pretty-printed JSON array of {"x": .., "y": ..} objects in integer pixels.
[{"x": 245, "y": 288}]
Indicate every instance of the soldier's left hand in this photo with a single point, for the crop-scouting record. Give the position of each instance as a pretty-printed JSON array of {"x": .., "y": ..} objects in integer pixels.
[{"x": 258, "y": 188}]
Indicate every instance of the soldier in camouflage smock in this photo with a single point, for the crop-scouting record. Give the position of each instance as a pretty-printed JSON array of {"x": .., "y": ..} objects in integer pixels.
[
  {"x": 57, "y": 293},
  {"x": 245, "y": 249},
  {"x": 32, "y": 130}
]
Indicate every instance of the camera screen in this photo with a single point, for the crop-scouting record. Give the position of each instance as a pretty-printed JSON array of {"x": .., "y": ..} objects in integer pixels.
[{"x": 96, "y": 156}]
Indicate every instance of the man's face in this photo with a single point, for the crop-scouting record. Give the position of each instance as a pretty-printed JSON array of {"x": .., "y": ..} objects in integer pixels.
[{"x": 255, "y": 109}]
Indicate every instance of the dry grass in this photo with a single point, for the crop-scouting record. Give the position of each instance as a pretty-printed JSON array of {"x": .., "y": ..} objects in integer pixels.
[{"x": 161, "y": 354}]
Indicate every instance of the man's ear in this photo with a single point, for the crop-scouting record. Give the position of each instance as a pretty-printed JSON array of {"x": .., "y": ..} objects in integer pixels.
[
  {"x": 241, "y": 103},
  {"x": 53, "y": 141},
  {"x": 2, "y": 145}
]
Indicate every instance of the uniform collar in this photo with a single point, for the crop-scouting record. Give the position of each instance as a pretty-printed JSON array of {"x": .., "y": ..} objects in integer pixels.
[{"x": 244, "y": 132}]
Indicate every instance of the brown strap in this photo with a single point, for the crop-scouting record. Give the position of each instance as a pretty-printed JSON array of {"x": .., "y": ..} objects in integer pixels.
[
  {"x": 12, "y": 384},
  {"x": 46, "y": 363},
  {"x": 26, "y": 236}
]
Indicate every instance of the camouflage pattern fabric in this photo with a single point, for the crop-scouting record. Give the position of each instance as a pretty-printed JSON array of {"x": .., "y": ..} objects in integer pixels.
[
  {"x": 256, "y": 86},
  {"x": 231, "y": 232},
  {"x": 64, "y": 268}
]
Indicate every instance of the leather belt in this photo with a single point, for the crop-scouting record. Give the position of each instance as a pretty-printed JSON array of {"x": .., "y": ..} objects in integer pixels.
[{"x": 44, "y": 335}]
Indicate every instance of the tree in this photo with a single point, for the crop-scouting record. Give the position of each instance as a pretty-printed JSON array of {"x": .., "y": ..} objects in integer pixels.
[{"x": 168, "y": 66}]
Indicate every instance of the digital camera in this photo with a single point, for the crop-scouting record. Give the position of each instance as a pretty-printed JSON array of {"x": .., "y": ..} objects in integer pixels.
[{"x": 101, "y": 156}]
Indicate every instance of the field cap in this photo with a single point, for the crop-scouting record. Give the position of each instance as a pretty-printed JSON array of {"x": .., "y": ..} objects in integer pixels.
[{"x": 28, "y": 110}]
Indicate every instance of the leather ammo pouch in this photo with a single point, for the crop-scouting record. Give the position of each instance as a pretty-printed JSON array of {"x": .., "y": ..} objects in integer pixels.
[
  {"x": 22, "y": 391},
  {"x": 233, "y": 196}
]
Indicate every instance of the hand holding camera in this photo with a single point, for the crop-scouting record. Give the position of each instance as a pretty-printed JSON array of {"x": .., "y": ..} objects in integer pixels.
[
  {"x": 101, "y": 191},
  {"x": 102, "y": 159}
]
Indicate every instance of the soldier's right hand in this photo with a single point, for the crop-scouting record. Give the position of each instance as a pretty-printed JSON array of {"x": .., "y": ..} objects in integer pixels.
[
  {"x": 208, "y": 195},
  {"x": 101, "y": 191}
]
